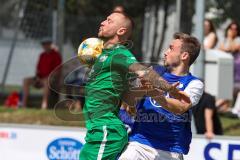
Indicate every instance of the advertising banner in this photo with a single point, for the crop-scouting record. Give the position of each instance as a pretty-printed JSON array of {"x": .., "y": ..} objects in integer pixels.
[
  {"x": 40, "y": 143},
  {"x": 219, "y": 148},
  {"x": 28, "y": 142}
]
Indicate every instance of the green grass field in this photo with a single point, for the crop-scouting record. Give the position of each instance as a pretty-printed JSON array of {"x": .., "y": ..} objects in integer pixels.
[
  {"x": 65, "y": 118},
  {"x": 231, "y": 126},
  {"x": 40, "y": 117}
]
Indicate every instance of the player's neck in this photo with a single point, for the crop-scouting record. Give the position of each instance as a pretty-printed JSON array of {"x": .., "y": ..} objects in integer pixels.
[
  {"x": 112, "y": 42},
  {"x": 180, "y": 70}
]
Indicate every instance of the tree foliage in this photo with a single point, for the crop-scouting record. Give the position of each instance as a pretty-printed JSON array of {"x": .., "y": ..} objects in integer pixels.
[
  {"x": 8, "y": 12},
  {"x": 229, "y": 8},
  {"x": 83, "y": 18}
]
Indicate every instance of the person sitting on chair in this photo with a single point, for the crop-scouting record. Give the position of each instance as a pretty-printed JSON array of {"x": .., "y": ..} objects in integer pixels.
[{"x": 49, "y": 59}]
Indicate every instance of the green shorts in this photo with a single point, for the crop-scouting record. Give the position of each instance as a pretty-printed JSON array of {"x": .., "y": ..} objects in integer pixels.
[{"x": 104, "y": 143}]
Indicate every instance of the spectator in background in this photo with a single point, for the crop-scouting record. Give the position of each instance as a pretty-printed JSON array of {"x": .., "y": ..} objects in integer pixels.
[
  {"x": 231, "y": 41},
  {"x": 206, "y": 117},
  {"x": 231, "y": 45},
  {"x": 210, "y": 36},
  {"x": 49, "y": 59}
]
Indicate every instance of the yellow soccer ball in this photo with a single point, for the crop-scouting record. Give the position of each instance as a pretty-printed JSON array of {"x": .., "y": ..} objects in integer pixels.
[{"x": 89, "y": 50}]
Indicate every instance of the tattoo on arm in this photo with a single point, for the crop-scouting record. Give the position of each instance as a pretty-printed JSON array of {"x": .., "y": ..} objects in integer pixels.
[{"x": 151, "y": 76}]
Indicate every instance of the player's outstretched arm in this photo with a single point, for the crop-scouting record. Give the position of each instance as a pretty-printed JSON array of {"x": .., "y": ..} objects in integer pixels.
[
  {"x": 177, "y": 106},
  {"x": 148, "y": 74}
]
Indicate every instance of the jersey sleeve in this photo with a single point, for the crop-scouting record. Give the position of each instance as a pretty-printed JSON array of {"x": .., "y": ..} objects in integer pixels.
[
  {"x": 194, "y": 90},
  {"x": 123, "y": 59}
]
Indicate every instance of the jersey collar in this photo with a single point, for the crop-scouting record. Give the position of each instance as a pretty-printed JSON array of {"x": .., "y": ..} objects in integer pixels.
[{"x": 115, "y": 46}]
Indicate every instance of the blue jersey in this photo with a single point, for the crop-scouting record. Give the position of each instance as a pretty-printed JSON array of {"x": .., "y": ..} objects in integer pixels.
[
  {"x": 157, "y": 127},
  {"x": 126, "y": 118}
]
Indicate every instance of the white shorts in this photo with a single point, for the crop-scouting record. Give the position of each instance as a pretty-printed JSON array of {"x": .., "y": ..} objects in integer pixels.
[{"x": 138, "y": 151}]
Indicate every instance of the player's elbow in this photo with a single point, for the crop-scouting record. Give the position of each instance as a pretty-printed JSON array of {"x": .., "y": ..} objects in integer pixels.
[{"x": 183, "y": 108}]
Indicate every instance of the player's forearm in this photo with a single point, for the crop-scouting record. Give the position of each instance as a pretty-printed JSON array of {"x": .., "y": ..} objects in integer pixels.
[
  {"x": 172, "y": 105},
  {"x": 158, "y": 81},
  {"x": 176, "y": 106},
  {"x": 132, "y": 97},
  {"x": 148, "y": 74}
]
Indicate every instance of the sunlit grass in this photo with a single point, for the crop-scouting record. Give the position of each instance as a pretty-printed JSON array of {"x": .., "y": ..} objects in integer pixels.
[
  {"x": 48, "y": 117},
  {"x": 39, "y": 116}
]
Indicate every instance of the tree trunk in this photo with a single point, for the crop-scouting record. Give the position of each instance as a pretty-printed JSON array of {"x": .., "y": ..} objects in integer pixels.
[
  {"x": 156, "y": 18},
  {"x": 186, "y": 16},
  {"x": 166, "y": 6}
]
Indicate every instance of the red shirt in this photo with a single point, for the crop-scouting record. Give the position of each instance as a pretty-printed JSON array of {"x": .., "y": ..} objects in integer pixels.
[{"x": 47, "y": 62}]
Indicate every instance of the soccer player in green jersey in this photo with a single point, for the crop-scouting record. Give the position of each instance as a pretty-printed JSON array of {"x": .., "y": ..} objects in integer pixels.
[{"x": 108, "y": 79}]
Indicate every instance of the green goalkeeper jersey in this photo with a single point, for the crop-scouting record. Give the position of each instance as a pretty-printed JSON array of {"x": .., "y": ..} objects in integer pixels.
[{"x": 108, "y": 79}]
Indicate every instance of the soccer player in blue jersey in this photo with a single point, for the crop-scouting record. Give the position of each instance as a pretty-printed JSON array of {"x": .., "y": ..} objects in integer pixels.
[{"x": 162, "y": 127}]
